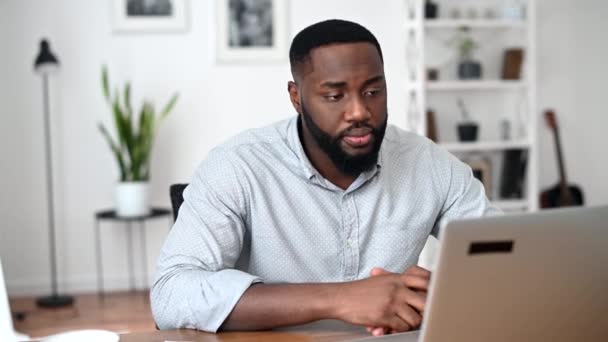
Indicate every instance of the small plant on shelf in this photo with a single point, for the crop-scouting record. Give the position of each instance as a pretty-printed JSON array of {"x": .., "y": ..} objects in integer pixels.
[{"x": 468, "y": 67}]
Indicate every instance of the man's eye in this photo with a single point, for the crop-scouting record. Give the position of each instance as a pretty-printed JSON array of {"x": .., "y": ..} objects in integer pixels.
[
  {"x": 333, "y": 97},
  {"x": 371, "y": 93}
]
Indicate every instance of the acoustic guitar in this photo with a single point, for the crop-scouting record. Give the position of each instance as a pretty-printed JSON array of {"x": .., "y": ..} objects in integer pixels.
[{"x": 562, "y": 194}]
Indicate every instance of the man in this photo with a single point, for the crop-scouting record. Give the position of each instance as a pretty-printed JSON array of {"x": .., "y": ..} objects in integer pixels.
[{"x": 321, "y": 216}]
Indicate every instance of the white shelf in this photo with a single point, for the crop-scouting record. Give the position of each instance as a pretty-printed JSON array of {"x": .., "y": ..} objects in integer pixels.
[
  {"x": 473, "y": 23},
  {"x": 474, "y": 85},
  {"x": 485, "y": 146},
  {"x": 421, "y": 37},
  {"x": 511, "y": 205}
]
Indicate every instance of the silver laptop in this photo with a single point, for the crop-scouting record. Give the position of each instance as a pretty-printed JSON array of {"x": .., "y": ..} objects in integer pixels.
[
  {"x": 528, "y": 277},
  {"x": 6, "y": 322}
]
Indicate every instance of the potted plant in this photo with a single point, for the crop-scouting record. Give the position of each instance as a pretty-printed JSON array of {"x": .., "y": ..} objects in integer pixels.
[
  {"x": 467, "y": 128},
  {"x": 468, "y": 68},
  {"x": 132, "y": 147}
]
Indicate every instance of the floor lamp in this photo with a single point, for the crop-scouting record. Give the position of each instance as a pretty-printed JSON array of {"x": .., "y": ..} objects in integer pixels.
[{"x": 45, "y": 64}]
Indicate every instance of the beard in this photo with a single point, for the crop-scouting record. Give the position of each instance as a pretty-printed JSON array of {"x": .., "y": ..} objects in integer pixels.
[{"x": 348, "y": 164}]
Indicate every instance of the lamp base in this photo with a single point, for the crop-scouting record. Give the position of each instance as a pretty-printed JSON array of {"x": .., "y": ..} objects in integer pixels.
[{"x": 55, "y": 301}]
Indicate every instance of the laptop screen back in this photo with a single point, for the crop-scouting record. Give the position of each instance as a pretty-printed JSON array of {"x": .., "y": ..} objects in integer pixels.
[
  {"x": 6, "y": 323},
  {"x": 528, "y": 277}
]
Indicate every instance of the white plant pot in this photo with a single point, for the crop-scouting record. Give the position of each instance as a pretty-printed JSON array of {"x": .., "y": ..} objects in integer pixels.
[{"x": 132, "y": 199}]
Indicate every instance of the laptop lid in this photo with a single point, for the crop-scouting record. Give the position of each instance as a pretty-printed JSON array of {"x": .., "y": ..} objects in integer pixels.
[
  {"x": 6, "y": 322},
  {"x": 529, "y": 277}
]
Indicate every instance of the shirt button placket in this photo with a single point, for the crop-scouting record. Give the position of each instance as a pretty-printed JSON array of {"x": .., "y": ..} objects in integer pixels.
[
  {"x": 345, "y": 233},
  {"x": 348, "y": 219},
  {"x": 353, "y": 239}
]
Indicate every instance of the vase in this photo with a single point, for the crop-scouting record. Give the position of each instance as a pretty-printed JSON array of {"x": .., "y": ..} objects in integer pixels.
[
  {"x": 469, "y": 69},
  {"x": 468, "y": 131},
  {"x": 132, "y": 199}
]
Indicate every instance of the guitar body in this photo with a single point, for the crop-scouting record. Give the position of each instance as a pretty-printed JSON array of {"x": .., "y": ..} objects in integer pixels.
[
  {"x": 555, "y": 198},
  {"x": 562, "y": 194}
]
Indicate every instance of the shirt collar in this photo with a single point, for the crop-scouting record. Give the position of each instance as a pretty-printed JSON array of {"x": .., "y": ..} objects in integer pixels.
[
  {"x": 293, "y": 137},
  {"x": 295, "y": 144}
]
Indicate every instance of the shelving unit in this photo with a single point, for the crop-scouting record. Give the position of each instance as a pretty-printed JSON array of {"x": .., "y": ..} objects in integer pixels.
[
  {"x": 512, "y": 99},
  {"x": 474, "y": 85},
  {"x": 473, "y": 23},
  {"x": 485, "y": 146}
]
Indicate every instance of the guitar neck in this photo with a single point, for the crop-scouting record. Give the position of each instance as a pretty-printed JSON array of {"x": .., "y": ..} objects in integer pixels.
[{"x": 563, "y": 180}]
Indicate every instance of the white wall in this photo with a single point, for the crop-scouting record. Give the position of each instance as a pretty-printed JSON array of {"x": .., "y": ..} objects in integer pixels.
[
  {"x": 572, "y": 66},
  {"x": 217, "y": 101}
]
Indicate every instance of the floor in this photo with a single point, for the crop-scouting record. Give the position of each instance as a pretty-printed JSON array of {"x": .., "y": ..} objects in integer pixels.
[{"x": 118, "y": 312}]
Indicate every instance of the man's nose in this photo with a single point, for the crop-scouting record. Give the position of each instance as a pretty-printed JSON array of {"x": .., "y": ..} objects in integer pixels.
[{"x": 357, "y": 110}]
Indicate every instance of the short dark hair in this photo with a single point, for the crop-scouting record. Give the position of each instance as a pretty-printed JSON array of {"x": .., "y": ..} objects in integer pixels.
[{"x": 333, "y": 31}]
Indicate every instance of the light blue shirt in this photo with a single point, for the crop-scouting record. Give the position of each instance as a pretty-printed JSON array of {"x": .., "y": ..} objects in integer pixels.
[{"x": 257, "y": 210}]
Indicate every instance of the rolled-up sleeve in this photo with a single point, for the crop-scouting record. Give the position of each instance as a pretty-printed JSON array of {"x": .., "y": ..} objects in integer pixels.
[{"x": 196, "y": 285}]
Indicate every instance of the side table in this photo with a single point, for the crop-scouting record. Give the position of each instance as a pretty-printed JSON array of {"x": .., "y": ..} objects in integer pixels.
[{"x": 110, "y": 215}]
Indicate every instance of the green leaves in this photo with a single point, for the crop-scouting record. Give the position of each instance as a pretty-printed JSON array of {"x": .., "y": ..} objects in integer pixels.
[
  {"x": 116, "y": 150},
  {"x": 134, "y": 146},
  {"x": 128, "y": 100},
  {"x": 169, "y": 106},
  {"x": 105, "y": 83},
  {"x": 464, "y": 42}
]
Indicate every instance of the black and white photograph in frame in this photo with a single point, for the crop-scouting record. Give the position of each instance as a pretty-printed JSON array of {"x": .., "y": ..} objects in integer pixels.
[
  {"x": 154, "y": 16},
  {"x": 251, "y": 30}
]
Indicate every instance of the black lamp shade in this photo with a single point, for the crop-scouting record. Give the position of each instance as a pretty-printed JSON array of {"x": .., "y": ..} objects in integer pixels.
[{"x": 45, "y": 57}]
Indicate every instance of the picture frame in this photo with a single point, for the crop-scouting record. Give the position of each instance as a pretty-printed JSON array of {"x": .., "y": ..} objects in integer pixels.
[
  {"x": 149, "y": 16},
  {"x": 251, "y": 30}
]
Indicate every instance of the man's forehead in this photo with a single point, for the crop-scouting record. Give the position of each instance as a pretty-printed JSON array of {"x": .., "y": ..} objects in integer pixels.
[{"x": 341, "y": 58}]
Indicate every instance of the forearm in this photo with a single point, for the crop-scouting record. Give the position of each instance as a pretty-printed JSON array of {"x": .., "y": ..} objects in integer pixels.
[{"x": 266, "y": 306}]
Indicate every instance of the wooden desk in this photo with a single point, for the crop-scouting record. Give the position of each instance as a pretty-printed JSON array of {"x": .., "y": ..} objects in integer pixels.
[{"x": 270, "y": 336}]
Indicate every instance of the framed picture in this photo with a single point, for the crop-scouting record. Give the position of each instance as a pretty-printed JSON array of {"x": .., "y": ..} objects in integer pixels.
[
  {"x": 481, "y": 171},
  {"x": 251, "y": 30},
  {"x": 153, "y": 16}
]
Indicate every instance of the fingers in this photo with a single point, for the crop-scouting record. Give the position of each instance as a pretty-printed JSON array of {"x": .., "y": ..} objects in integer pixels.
[
  {"x": 415, "y": 278},
  {"x": 405, "y": 318},
  {"x": 408, "y": 302},
  {"x": 396, "y": 323},
  {"x": 412, "y": 318},
  {"x": 376, "y": 271},
  {"x": 379, "y": 331},
  {"x": 415, "y": 282},
  {"x": 418, "y": 271},
  {"x": 414, "y": 270},
  {"x": 416, "y": 300}
]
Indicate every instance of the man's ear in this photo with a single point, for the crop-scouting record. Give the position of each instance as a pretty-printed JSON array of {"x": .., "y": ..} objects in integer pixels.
[{"x": 294, "y": 96}]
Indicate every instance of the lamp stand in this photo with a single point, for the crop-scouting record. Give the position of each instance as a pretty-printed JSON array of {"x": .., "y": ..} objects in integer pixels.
[{"x": 54, "y": 300}]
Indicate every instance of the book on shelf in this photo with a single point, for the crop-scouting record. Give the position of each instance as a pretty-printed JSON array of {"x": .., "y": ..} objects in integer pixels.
[{"x": 513, "y": 173}]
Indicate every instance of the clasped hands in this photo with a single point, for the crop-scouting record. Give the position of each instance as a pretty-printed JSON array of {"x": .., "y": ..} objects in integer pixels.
[{"x": 386, "y": 302}]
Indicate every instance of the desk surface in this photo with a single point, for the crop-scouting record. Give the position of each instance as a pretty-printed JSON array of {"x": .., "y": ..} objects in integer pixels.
[{"x": 270, "y": 336}]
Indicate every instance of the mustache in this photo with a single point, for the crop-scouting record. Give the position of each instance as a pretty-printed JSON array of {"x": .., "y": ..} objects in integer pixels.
[{"x": 358, "y": 125}]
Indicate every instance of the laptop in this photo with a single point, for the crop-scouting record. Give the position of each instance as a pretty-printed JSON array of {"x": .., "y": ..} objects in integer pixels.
[
  {"x": 6, "y": 322},
  {"x": 528, "y": 277}
]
